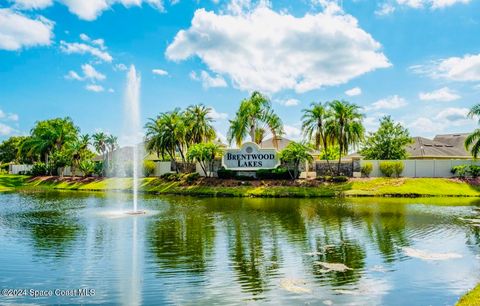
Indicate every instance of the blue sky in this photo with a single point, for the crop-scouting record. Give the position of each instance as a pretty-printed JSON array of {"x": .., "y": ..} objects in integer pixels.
[{"x": 417, "y": 60}]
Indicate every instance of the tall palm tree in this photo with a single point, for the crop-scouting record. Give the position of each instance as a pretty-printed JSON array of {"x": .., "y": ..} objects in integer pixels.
[
  {"x": 166, "y": 135},
  {"x": 472, "y": 142},
  {"x": 253, "y": 114},
  {"x": 77, "y": 149},
  {"x": 199, "y": 124},
  {"x": 111, "y": 143},
  {"x": 345, "y": 124},
  {"x": 100, "y": 143},
  {"x": 315, "y": 121}
]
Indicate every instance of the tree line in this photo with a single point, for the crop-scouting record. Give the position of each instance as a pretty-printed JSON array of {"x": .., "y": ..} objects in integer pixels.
[{"x": 330, "y": 130}]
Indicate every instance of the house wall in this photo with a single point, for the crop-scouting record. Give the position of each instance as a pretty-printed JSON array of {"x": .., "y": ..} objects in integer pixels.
[{"x": 423, "y": 167}]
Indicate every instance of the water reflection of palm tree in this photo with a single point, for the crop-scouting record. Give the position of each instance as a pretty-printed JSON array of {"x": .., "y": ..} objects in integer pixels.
[
  {"x": 183, "y": 238},
  {"x": 255, "y": 258}
]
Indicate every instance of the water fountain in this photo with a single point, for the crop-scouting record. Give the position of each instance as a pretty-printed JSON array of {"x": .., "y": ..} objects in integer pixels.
[{"x": 132, "y": 130}]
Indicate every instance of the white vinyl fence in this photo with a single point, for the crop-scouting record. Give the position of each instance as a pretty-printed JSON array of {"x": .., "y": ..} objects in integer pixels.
[
  {"x": 423, "y": 167},
  {"x": 17, "y": 169},
  {"x": 162, "y": 168}
]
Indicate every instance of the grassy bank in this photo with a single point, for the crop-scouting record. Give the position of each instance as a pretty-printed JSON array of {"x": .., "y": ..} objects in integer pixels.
[
  {"x": 402, "y": 187},
  {"x": 470, "y": 299}
]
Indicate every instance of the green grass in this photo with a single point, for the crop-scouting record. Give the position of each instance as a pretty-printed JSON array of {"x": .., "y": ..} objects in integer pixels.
[
  {"x": 403, "y": 187},
  {"x": 472, "y": 298}
]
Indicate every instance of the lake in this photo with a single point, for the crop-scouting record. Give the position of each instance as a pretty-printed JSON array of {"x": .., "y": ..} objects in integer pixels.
[{"x": 207, "y": 251}]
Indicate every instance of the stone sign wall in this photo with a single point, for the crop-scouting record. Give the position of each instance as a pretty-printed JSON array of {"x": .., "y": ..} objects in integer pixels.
[{"x": 250, "y": 157}]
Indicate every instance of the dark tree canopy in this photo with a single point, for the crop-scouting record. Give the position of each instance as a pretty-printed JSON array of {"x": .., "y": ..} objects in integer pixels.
[{"x": 388, "y": 142}]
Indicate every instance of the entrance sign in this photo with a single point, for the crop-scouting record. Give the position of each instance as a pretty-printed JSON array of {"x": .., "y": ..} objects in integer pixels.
[{"x": 250, "y": 157}]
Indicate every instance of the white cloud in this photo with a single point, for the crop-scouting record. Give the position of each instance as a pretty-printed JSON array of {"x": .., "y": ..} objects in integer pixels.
[
  {"x": 91, "y": 9},
  {"x": 120, "y": 67},
  {"x": 8, "y": 116},
  {"x": 94, "y": 88},
  {"x": 300, "y": 53},
  {"x": 207, "y": 80},
  {"x": 81, "y": 48},
  {"x": 356, "y": 91},
  {"x": 84, "y": 37},
  {"x": 32, "y": 4},
  {"x": 159, "y": 72},
  {"x": 444, "y": 94},
  {"x": 433, "y": 4},
  {"x": 454, "y": 116},
  {"x": 444, "y": 120},
  {"x": 91, "y": 73},
  {"x": 466, "y": 68},
  {"x": 385, "y": 9},
  {"x": 217, "y": 115},
  {"x": 111, "y": 90},
  {"x": 392, "y": 102},
  {"x": 288, "y": 102},
  {"x": 292, "y": 132},
  {"x": 18, "y": 31},
  {"x": 5, "y": 129},
  {"x": 12, "y": 117},
  {"x": 72, "y": 75}
]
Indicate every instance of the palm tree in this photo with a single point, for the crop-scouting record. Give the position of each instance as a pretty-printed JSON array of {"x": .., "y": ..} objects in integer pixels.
[
  {"x": 111, "y": 143},
  {"x": 100, "y": 145},
  {"x": 48, "y": 136},
  {"x": 315, "y": 128},
  {"x": 472, "y": 142},
  {"x": 254, "y": 114},
  {"x": 77, "y": 149},
  {"x": 199, "y": 124},
  {"x": 166, "y": 135},
  {"x": 345, "y": 124}
]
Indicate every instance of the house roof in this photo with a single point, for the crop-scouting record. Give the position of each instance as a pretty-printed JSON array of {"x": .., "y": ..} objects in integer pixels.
[
  {"x": 126, "y": 153},
  {"x": 442, "y": 146},
  {"x": 278, "y": 143}
]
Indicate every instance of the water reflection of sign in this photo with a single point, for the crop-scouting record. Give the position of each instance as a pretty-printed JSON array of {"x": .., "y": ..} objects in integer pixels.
[{"x": 250, "y": 157}]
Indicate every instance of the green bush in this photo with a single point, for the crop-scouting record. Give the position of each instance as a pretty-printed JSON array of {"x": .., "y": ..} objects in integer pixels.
[
  {"x": 474, "y": 171},
  {"x": 148, "y": 167},
  {"x": 171, "y": 177},
  {"x": 225, "y": 174},
  {"x": 366, "y": 169},
  {"x": 460, "y": 171},
  {"x": 39, "y": 169},
  {"x": 339, "y": 179},
  {"x": 278, "y": 173},
  {"x": 98, "y": 170},
  {"x": 87, "y": 167},
  {"x": 387, "y": 168},
  {"x": 398, "y": 168},
  {"x": 191, "y": 177},
  {"x": 325, "y": 178}
]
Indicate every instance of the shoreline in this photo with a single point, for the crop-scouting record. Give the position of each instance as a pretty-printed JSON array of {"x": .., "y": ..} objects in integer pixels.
[{"x": 208, "y": 187}]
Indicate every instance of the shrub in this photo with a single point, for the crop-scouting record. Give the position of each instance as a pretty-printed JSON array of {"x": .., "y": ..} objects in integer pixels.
[
  {"x": 225, "y": 174},
  {"x": 191, "y": 177},
  {"x": 474, "y": 171},
  {"x": 398, "y": 168},
  {"x": 148, "y": 167},
  {"x": 325, "y": 178},
  {"x": 87, "y": 167},
  {"x": 387, "y": 168},
  {"x": 279, "y": 173},
  {"x": 98, "y": 170},
  {"x": 339, "y": 179},
  {"x": 39, "y": 169},
  {"x": 171, "y": 177},
  {"x": 366, "y": 169},
  {"x": 460, "y": 171}
]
